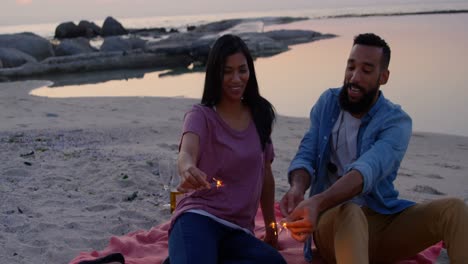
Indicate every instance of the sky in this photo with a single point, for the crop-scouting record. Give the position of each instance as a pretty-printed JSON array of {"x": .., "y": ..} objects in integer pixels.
[{"x": 18, "y": 12}]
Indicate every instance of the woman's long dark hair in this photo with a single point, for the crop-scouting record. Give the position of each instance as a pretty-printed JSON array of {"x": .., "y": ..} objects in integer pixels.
[{"x": 262, "y": 111}]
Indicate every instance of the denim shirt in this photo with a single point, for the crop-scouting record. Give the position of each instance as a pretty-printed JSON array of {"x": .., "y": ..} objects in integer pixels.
[{"x": 382, "y": 141}]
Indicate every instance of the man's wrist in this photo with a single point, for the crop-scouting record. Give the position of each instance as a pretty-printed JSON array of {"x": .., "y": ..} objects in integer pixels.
[{"x": 299, "y": 180}]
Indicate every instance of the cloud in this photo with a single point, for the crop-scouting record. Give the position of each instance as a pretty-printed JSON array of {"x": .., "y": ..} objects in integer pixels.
[{"x": 24, "y": 2}]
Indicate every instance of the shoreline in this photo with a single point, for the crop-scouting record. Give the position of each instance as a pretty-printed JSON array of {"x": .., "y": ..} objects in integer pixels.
[{"x": 409, "y": 13}]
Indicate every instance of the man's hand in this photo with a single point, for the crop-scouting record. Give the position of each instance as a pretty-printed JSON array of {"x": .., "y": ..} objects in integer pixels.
[
  {"x": 290, "y": 200},
  {"x": 303, "y": 219}
]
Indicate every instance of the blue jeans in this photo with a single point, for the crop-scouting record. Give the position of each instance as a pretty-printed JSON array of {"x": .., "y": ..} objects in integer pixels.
[{"x": 196, "y": 238}]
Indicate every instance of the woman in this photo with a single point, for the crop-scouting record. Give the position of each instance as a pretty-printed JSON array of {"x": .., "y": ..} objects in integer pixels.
[{"x": 226, "y": 138}]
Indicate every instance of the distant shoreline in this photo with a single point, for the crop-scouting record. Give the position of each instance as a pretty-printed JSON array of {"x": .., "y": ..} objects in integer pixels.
[{"x": 434, "y": 12}]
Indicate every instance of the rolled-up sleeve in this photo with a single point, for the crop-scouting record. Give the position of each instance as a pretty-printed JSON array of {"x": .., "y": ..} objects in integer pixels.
[{"x": 385, "y": 155}]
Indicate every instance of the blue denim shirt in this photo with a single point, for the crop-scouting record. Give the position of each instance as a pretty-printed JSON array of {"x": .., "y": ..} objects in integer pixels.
[{"x": 381, "y": 144}]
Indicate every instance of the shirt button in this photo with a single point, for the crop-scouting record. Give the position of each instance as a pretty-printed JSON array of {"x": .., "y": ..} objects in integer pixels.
[{"x": 325, "y": 137}]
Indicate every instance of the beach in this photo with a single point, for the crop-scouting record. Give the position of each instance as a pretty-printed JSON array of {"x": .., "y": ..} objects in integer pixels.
[{"x": 76, "y": 171}]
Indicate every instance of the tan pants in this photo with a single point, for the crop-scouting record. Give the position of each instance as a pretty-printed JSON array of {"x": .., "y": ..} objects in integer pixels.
[{"x": 350, "y": 234}]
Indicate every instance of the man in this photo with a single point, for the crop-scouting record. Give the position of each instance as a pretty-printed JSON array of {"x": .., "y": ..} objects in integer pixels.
[{"x": 349, "y": 158}]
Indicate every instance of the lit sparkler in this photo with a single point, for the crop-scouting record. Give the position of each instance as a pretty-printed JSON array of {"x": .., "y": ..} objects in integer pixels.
[
  {"x": 282, "y": 226},
  {"x": 218, "y": 183}
]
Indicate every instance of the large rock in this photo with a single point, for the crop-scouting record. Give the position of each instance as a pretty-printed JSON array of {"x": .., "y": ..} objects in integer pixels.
[
  {"x": 73, "y": 47},
  {"x": 69, "y": 30},
  {"x": 261, "y": 45},
  {"x": 291, "y": 37},
  {"x": 112, "y": 27},
  {"x": 91, "y": 30},
  {"x": 122, "y": 44},
  {"x": 29, "y": 43},
  {"x": 11, "y": 58},
  {"x": 98, "y": 61}
]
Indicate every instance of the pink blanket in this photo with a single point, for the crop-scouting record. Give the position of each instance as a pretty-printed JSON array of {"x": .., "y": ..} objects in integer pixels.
[{"x": 150, "y": 246}]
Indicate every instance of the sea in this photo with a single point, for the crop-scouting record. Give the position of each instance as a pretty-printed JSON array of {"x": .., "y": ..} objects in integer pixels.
[{"x": 428, "y": 72}]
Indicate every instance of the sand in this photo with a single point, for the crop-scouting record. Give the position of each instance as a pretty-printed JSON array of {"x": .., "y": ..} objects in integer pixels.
[{"x": 76, "y": 171}]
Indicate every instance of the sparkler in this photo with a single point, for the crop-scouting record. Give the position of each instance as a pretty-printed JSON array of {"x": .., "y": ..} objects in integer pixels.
[
  {"x": 218, "y": 183},
  {"x": 282, "y": 226}
]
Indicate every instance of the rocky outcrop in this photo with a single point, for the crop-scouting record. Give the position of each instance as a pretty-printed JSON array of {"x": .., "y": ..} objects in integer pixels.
[
  {"x": 112, "y": 27},
  {"x": 73, "y": 47},
  {"x": 223, "y": 25},
  {"x": 29, "y": 43},
  {"x": 261, "y": 45},
  {"x": 13, "y": 58},
  {"x": 291, "y": 37},
  {"x": 116, "y": 43},
  {"x": 155, "y": 47},
  {"x": 97, "y": 62}
]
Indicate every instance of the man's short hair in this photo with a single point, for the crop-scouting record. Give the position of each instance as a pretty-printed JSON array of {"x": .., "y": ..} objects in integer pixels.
[{"x": 370, "y": 39}]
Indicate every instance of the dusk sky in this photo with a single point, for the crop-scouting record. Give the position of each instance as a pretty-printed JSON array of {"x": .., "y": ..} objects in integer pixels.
[
  {"x": 15, "y": 12},
  {"x": 43, "y": 11}
]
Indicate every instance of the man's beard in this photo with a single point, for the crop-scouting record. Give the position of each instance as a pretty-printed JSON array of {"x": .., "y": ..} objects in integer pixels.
[{"x": 362, "y": 105}]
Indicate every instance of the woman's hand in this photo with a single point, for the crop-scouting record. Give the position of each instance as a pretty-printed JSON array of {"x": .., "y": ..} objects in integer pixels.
[
  {"x": 192, "y": 178},
  {"x": 271, "y": 235}
]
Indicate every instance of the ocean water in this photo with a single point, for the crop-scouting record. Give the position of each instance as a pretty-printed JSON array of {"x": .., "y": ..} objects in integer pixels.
[
  {"x": 319, "y": 11},
  {"x": 428, "y": 73}
]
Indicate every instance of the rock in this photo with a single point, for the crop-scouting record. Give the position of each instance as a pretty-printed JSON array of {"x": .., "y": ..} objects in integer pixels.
[
  {"x": 73, "y": 47},
  {"x": 291, "y": 37},
  {"x": 98, "y": 61},
  {"x": 200, "y": 49},
  {"x": 149, "y": 32},
  {"x": 122, "y": 44},
  {"x": 29, "y": 43},
  {"x": 69, "y": 30},
  {"x": 261, "y": 45},
  {"x": 245, "y": 27},
  {"x": 91, "y": 29},
  {"x": 223, "y": 25},
  {"x": 115, "y": 44},
  {"x": 13, "y": 58},
  {"x": 191, "y": 44},
  {"x": 83, "y": 29},
  {"x": 217, "y": 26},
  {"x": 112, "y": 27}
]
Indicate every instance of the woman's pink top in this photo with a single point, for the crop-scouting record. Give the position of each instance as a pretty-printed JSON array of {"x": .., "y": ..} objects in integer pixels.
[{"x": 235, "y": 158}]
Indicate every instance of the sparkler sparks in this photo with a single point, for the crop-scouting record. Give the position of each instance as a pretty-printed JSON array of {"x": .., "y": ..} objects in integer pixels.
[
  {"x": 282, "y": 226},
  {"x": 218, "y": 183}
]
